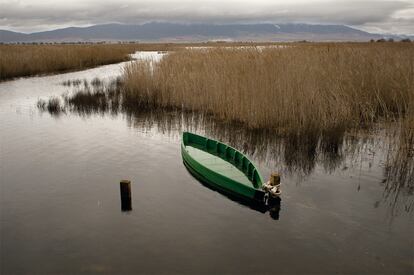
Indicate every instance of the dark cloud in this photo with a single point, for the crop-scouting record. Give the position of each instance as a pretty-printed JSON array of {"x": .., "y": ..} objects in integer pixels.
[{"x": 383, "y": 16}]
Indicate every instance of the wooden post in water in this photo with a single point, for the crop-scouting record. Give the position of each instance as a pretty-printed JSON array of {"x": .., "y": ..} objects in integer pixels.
[{"x": 125, "y": 187}]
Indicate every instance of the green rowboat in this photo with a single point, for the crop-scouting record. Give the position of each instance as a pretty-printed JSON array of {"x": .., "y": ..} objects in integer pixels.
[{"x": 225, "y": 168}]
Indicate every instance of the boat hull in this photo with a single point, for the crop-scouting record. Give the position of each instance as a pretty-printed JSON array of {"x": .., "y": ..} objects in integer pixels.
[{"x": 220, "y": 181}]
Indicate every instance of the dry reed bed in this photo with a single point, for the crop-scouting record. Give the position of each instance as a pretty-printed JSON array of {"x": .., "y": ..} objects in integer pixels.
[
  {"x": 27, "y": 60},
  {"x": 311, "y": 94},
  {"x": 299, "y": 153},
  {"x": 320, "y": 87}
]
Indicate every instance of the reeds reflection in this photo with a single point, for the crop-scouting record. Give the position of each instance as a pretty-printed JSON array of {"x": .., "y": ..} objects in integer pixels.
[
  {"x": 296, "y": 154},
  {"x": 399, "y": 168}
]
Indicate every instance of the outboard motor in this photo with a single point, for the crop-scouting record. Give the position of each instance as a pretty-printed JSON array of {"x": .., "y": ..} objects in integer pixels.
[{"x": 272, "y": 187}]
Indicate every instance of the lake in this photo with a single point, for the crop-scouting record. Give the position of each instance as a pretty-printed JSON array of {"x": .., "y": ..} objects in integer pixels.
[{"x": 344, "y": 206}]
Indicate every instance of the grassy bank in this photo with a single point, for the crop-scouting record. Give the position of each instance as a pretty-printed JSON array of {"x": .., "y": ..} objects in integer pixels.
[
  {"x": 304, "y": 87},
  {"x": 27, "y": 60}
]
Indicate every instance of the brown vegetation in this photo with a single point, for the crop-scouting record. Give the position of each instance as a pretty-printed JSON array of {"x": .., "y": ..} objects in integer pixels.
[
  {"x": 25, "y": 60},
  {"x": 297, "y": 153},
  {"x": 318, "y": 87},
  {"x": 53, "y": 106},
  {"x": 303, "y": 105},
  {"x": 34, "y": 59}
]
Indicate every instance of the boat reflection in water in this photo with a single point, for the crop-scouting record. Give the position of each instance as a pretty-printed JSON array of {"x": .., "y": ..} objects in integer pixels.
[
  {"x": 297, "y": 155},
  {"x": 272, "y": 205}
]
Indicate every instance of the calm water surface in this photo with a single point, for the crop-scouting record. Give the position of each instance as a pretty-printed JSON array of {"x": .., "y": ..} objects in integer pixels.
[{"x": 60, "y": 206}]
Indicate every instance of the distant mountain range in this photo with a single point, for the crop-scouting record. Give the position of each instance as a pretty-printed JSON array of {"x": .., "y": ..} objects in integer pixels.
[{"x": 156, "y": 32}]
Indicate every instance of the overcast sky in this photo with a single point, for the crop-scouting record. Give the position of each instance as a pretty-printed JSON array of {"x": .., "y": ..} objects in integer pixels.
[{"x": 380, "y": 16}]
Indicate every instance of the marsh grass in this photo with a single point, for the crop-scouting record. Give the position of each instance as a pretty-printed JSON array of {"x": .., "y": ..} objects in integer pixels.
[
  {"x": 27, "y": 60},
  {"x": 297, "y": 89},
  {"x": 294, "y": 154},
  {"x": 299, "y": 151},
  {"x": 314, "y": 96},
  {"x": 74, "y": 83},
  {"x": 92, "y": 97},
  {"x": 298, "y": 106},
  {"x": 53, "y": 105},
  {"x": 401, "y": 156}
]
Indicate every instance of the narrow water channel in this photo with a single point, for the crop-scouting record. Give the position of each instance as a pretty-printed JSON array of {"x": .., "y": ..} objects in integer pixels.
[{"x": 344, "y": 205}]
